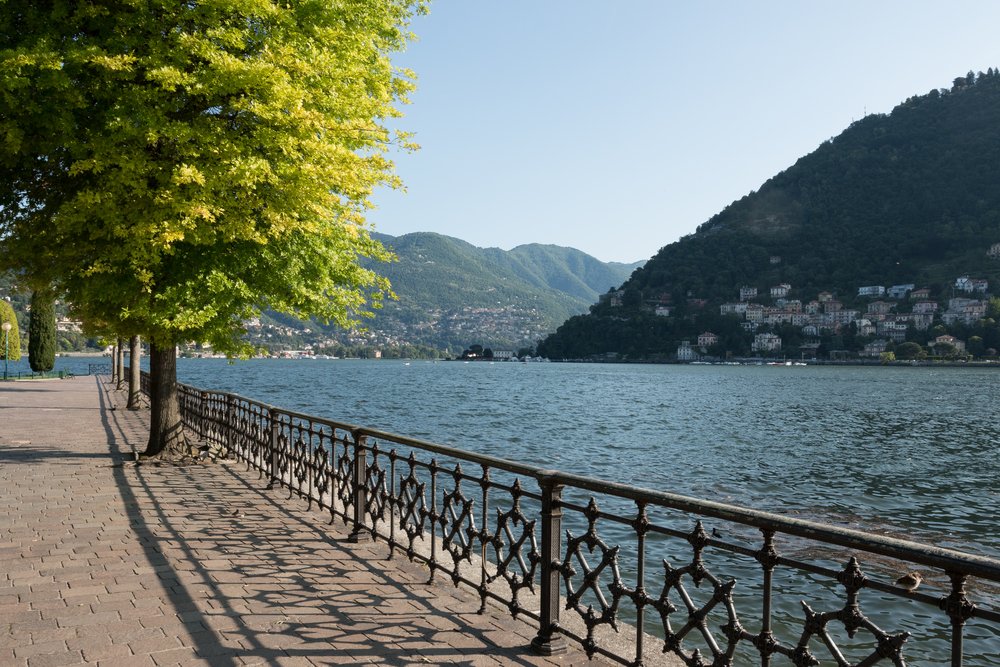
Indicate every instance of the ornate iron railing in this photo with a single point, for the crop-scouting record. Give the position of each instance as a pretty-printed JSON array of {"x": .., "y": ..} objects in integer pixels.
[{"x": 730, "y": 585}]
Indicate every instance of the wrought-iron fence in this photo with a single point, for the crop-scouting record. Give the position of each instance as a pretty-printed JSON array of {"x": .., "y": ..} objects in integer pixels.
[{"x": 573, "y": 554}]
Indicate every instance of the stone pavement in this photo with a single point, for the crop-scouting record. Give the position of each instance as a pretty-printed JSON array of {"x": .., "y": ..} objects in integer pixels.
[{"x": 103, "y": 562}]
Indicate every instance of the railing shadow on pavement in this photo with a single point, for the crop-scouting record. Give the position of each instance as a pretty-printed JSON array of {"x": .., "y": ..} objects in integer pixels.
[
  {"x": 570, "y": 553},
  {"x": 236, "y": 546}
]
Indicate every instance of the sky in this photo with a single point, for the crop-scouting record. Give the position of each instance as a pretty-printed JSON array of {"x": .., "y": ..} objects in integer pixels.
[{"x": 618, "y": 126}]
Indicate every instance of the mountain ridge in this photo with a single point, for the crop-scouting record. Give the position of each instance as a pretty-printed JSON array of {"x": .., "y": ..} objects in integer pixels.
[
  {"x": 898, "y": 198},
  {"x": 451, "y": 293}
]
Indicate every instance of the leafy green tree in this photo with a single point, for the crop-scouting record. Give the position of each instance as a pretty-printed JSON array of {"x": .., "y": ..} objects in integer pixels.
[
  {"x": 945, "y": 350},
  {"x": 12, "y": 345},
  {"x": 176, "y": 167},
  {"x": 975, "y": 346},
  {"x": 909, "y": 350},
  {"x": 42, "y": 332}
]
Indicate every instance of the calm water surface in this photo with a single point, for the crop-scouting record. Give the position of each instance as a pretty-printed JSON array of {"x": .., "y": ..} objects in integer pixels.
[{"x": 909, "y": 451}]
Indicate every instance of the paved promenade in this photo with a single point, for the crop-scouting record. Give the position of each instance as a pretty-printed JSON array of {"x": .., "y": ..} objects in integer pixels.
[{"x": 103, "y": 562}]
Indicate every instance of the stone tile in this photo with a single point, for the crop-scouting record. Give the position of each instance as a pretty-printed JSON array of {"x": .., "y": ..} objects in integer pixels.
[{"x": 147, "y": 565}]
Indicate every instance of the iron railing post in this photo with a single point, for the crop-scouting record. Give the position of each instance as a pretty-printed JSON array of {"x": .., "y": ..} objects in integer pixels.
[
  {"x": 360, "y": 490},
  {"x": 549, "y": 641},
  {"x": 202, "y": 409},
  {"x": 230, "y": 425},
  {"x": 275, "y": 441}
]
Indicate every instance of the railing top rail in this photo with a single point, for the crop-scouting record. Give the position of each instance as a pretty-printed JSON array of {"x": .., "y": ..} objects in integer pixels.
[
  {"x": 946, "y": 559},
  {"x": 931, "y": 556}
]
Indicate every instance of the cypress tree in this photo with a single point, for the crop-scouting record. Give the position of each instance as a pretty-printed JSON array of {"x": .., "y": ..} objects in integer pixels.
[{"x": 42, "y": 332}]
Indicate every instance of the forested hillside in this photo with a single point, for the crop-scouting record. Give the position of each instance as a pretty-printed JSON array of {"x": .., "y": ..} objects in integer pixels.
[
  {"x": 912, "y": 197},
  {"x": 451, "y": 294}
]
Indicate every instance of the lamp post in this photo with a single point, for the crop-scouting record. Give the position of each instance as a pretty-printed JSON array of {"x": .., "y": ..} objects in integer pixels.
[{"x": 6, "y": 346}]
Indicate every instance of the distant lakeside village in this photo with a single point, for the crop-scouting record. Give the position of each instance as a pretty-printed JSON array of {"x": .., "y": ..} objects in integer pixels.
[
  {"x": 880, "y": 324},
  {"x": 898, "y": 322}
]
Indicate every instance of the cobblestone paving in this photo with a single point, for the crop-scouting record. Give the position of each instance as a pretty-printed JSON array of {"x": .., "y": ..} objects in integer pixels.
[{"x": 103, "y": 562}]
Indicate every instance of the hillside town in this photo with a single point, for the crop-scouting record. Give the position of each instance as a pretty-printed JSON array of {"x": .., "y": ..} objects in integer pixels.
[
  {"x": 881, "y": 317},
  {"x": 877, "y": 322}
]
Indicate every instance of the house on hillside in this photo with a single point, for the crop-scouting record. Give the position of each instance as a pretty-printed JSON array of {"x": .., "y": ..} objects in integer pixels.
[
  {"x": 755, "y": 313},
  {"x": 733, "y": 308},
  {"x": 707, "y": 339},
  {"x": 921, "y": 294},
  {"x": 875, "y": 349},
  {"x": 747, "y": 293},
  {"x": 871, "y": 290},
  {"x": 685, "y": 352},
  {"x": 893, "y": 330},
  {"x": 613, "y": 298},
  {"x": 780, "y": 291},
  {"x": 967, "y": 311},
  {"x": 880, "y": 307},
  {"x": 766, "y": 342},
  {"x": 947, "y": 340},
  {"x": 662, "y": 311},
  {"x": 899, "y": 291}
]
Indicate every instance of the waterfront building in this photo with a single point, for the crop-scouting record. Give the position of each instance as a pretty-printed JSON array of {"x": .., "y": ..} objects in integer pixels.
[{"x": 766, "y": 342}]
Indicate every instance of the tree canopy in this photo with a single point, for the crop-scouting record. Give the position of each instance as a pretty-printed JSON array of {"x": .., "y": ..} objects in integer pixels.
[{"x": 173, "y": 167}]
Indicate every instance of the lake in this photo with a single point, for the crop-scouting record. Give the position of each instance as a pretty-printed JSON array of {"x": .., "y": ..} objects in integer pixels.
[{"x": 906, "y": 451}]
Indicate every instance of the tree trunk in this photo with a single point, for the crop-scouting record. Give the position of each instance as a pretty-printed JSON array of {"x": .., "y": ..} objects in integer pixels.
[
  {"x": 114, "y": 362},
  {"x": 166, "y": 433},
  {"x": 119, "y": 363},
  {"x": 134, "y": 379}
]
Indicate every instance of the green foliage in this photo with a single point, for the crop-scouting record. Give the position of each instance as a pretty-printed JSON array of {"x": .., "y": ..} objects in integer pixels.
[
  {"x": 174, "y": 168},
  {"x": 439, "y": 281},
  {"x": 910, "y": 350},
  {"x": 10, "y": 348},
  {"x": 42, "y": 332}
]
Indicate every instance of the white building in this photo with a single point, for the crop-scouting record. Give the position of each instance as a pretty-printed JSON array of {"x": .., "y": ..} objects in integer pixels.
[{"x": 685, "y": 352}]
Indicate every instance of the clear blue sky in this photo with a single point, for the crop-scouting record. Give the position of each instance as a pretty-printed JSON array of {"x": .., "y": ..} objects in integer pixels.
[{"x": 618, "y": 126}]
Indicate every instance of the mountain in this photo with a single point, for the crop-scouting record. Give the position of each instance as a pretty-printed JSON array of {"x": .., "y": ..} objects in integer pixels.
[
  {"x": 452, "y": 294},
  {"x": 909, "y": 197}
]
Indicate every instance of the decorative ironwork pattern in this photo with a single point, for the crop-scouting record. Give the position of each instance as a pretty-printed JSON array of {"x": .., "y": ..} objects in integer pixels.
[
  {"x": 589, "y": 585},
  {"x": 714, "y": 597},
  {"x": 517, "y": 568}
]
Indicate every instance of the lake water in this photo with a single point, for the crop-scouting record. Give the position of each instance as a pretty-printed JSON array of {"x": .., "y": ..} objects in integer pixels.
[{"x": 909, "y": 452}]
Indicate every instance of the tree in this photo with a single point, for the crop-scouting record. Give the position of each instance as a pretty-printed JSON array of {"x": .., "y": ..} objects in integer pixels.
[
  {"x": 42, "y": 332},
  {"x": 174, "y": 168},
  {"x": 909, "y": 350},
  {"x": 12, "y": 345}
]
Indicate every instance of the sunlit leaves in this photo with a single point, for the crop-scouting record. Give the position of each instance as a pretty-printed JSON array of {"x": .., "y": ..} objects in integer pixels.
[{"x": 176, "y": 166}]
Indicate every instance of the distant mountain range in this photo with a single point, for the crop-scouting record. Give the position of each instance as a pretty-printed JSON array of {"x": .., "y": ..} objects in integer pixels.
[
  {"x": 452, "y": 294},
  {"x": 910, "y": 197}
]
